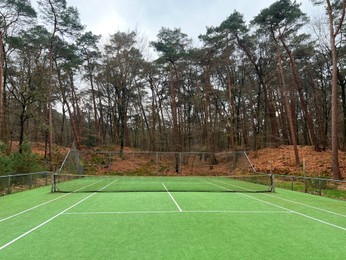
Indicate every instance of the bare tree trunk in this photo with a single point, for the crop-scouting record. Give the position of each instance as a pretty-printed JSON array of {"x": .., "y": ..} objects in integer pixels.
[
  {"x": 23, "y": 118},
  {"x": 96, "y": 120},
  {"x": 174, "y": 118},
  {"x": 50, "y": 112},
  {"x": 229, "y": 88},
  {"x": 72, "y": 116},
  {"x": 303, "y": 101},
  {"x": 287, "y": 104},
  {"x": 3, "y": 126},
  {"x": 268, "y": 102},
  {"x": 343, "y": 96},
  {"x": 101, "y": 118},
  {"x": 333, "y": 34},
  {"x": 145, "y": 119},
  {"x": 2, "y": 121},
  {"x": 208, "y": 119},
  {"x": 76, "y": 117},
  {"x": 274, "y": 132},
  {"x": 153, "y": 114}
]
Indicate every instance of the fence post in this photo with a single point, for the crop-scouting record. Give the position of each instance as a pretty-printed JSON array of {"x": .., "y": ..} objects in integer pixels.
[
  {"x": 157, "y": 163},
  {"x": 203, "y": 157},
  {"x": 272, "y": 183},
  {"x": 305, "y": 180},
  {"x": 228, "y": 167},
  {"x": 292, "y": 180},
  {"x": 234, "y": 162},
  {"x": 320, "y": 187},
  {"x": 30, "y": 181},
  {"x": 9, "y": 184}
]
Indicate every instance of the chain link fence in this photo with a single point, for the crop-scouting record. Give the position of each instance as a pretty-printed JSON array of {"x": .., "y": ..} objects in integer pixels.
[{"x": 19, "y": 182}]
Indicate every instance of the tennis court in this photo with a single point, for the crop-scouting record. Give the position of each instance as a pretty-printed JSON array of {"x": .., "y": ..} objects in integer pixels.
[{"x": 181, "y": 221}]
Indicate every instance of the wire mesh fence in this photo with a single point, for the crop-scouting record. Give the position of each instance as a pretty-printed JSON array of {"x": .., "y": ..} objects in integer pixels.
[
  {"x": 317, "y": 186},
  {"x": 167, "y": 163},
  {"x": 18, "y": 182}
]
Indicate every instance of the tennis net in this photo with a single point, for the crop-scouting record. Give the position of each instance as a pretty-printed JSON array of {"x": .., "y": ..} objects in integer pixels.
[{"x": 114, "y": 183}]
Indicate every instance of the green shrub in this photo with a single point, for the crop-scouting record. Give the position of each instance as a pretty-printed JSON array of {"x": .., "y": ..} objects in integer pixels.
[
  {"x": 6, "y": 165},
  {"x": 3, "y": 148},
  {"x": 26, "y": 161}
]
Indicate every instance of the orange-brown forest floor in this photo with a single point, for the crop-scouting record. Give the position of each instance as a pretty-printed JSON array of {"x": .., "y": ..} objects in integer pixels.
[{"x": 281, "y": 160}]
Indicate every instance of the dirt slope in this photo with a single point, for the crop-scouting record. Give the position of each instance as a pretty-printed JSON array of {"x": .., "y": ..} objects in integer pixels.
[{"x": 282, "y": 161}]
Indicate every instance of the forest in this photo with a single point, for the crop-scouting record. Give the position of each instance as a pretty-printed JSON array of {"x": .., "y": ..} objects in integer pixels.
[{"x": 279, "y": 79}]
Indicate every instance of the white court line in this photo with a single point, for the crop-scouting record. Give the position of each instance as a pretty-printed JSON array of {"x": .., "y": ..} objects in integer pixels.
[
  {"x": 52, "y": 218},
  {"x": 35, "y": 207},
  {"x": 303, "y": 204},
  {"x": 306, "y": 205},
  {"x": 172, "y": 198},
  {"x": 176, "y": 212},
  {"x": 40, "y": 205},
  {"x": 280, "y": 207}
]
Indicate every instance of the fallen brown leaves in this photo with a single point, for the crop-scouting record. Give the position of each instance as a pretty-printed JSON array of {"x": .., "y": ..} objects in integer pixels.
[{"x": 281, "y": 160}]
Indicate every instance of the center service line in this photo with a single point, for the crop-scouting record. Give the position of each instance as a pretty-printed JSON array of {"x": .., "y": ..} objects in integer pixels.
[{"x": 172, "y": 198}]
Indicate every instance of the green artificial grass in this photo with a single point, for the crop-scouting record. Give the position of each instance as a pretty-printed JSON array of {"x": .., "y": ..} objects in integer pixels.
[{"x": 175, "y": 225}]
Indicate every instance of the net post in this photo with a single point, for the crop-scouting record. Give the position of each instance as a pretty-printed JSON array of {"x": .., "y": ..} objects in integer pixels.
[{"x": 54, "y": 189}]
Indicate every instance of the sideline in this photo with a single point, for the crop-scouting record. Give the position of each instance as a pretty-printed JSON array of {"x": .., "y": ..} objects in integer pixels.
[
  {"x": 280, "y": 207},
  {"x": 52, "y": 218},
  {"x": 291, "y": 201},
  {"x": 44, "y": 203}
]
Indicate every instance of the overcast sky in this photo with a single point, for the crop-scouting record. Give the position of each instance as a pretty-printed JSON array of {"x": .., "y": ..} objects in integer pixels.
[{"x": 106, "y": 17}]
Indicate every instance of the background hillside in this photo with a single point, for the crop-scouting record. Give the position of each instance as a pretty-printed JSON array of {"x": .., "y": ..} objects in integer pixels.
[{"x": 281, "y": 160}]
